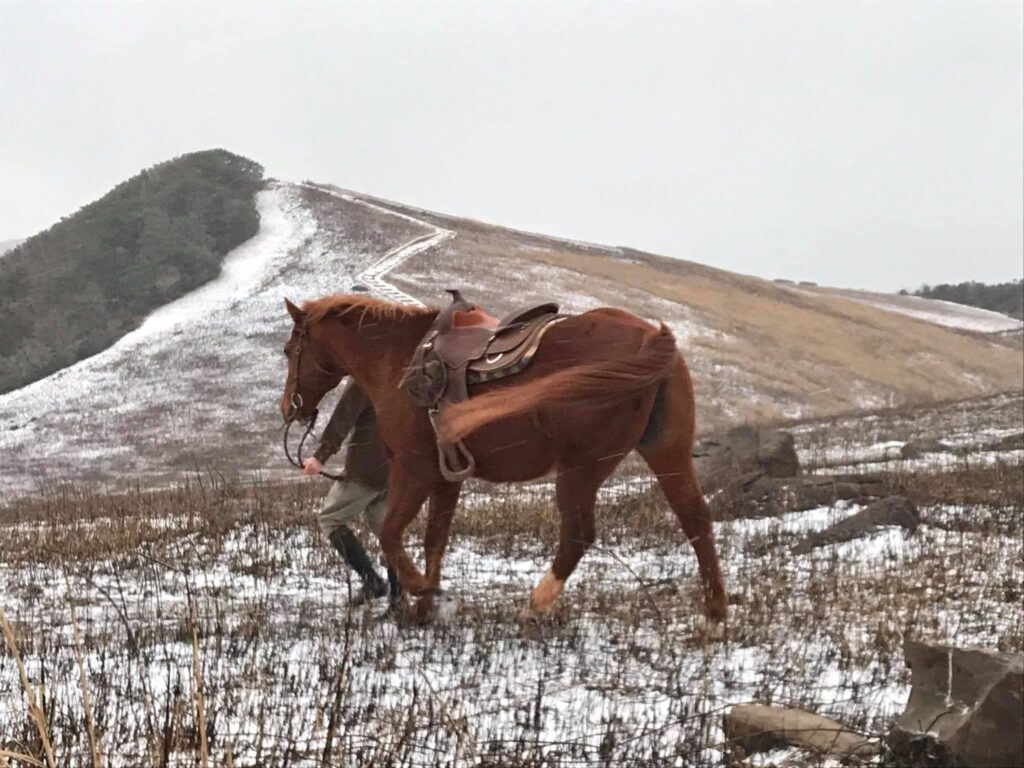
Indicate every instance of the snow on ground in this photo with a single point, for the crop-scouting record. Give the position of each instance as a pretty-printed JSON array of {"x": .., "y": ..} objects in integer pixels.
[
  {"x": 947, "y": 313},
  {"x": 931, "y": 462},
  {"x": 953, "y": 315},
  {"x": 373, "y": 277},
  {"x": 626, "y": 660},
  {"x": 970, "y": 430}
]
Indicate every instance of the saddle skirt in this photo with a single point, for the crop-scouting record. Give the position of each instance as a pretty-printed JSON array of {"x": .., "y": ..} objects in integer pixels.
[{"x": 466, "y": 346}]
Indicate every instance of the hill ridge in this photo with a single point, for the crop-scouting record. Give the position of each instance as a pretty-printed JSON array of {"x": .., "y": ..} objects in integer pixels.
[{"x": 199, "y": 389}]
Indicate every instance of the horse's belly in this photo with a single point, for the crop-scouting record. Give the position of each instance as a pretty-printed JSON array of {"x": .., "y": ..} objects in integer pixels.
[
  {"x": 512, "y": 451},
  {"x": 512, "y": 473}
]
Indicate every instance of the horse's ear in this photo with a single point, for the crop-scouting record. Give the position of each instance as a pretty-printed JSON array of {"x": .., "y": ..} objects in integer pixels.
[{"x": 297, "y": 314}]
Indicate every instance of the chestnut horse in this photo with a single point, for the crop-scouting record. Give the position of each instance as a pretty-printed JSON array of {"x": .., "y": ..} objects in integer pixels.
[{"x": 601, "y": 384}]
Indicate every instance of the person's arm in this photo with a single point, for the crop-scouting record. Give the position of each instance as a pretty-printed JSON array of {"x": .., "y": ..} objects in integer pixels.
[{"x": 350, "y": 405}]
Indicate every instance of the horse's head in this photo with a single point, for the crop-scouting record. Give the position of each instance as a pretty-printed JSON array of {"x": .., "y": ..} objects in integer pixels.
[
  {"x": 341, "y": 335},
  {"x": 312, "y": 373}
]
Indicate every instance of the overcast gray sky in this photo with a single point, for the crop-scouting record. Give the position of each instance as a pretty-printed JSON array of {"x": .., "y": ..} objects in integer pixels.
[{"x": 858, "y": 144}]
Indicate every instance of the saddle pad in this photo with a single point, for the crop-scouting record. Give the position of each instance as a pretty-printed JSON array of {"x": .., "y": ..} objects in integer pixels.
[{"x": 475, "y": 317}]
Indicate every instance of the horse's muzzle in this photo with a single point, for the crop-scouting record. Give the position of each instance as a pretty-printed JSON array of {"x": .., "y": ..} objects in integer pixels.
[{"x": 294, "y": 406}]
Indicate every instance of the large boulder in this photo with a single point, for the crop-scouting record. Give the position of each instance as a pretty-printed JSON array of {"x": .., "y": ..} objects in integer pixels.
[
  {"x": 763, "y": 496},
  {"x": 966, "y": 708},
  {"x": 744, "y": 452},
  {"x": 1008, "y": 443},
  {"x": 892, "y": 510},
  {"x": 759, "y": 728}
]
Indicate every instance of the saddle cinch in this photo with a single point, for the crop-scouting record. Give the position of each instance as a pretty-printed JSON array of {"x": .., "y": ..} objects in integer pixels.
[{"x": 466, "y": 346}]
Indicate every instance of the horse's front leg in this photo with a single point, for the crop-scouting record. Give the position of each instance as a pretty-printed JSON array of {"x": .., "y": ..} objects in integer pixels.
[
  {"x": 405, "y": 497},
  {"x": 439, "y": 524},
  {"x": 435, "y": 541}
]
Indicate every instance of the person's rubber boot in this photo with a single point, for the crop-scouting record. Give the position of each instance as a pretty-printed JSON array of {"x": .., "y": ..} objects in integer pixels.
[
  {"x": 394, "y": 589},
  {"x": 353, "y": 553}
]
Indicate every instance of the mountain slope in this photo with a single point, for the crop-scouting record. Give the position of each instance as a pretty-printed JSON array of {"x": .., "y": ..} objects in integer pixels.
[
  {"x": 758, "y": 349},
  {"x": 196, "y": 386},
  {"x": 75, "y": 288}
]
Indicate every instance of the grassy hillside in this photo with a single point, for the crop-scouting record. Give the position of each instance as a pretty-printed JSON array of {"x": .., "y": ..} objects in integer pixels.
[
  {"x": 77, "y": 287},
  {"x": 758, "y": 351}
]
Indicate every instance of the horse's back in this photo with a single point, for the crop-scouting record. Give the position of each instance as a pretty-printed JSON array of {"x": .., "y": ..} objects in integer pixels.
[{"x": 547, "y": 436}]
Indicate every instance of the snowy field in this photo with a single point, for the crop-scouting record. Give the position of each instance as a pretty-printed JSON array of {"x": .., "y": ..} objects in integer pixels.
[{"x": 625, "y": 673}]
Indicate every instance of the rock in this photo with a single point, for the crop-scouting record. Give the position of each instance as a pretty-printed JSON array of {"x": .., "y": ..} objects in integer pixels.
[
  {"x": 965, "y": 703},
  {"x": 892, "y": 510},
  {"x": 759, "y": 728},
  {"x": 757, "y": 495},
  {"x": 1008, "y": 443},
  {"x": 744, "y": 451},
  {"x": 776, "y": 453},
  {"x": 915, "y": 449},
  {"x": 821, "y": 490}
]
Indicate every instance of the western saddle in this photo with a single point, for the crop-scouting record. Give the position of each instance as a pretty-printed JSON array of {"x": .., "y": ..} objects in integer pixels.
[{"x": 467, "y": 346}]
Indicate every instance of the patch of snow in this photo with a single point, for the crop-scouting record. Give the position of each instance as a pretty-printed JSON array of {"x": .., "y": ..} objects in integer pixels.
[{"x": 946, "y": 313}]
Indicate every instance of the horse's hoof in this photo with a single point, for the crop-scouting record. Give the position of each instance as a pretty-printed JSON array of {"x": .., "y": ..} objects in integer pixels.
[
  {"x": 445, "y": 607},
  {"x": 529, "y": 614},
  {"x": 717, "y": 611},
  {"x": 711, "y": 630},
  {"x": 398, "y": 606},
  {"x": 423, "y": 609},
  {"x": 436, "y": 605}
]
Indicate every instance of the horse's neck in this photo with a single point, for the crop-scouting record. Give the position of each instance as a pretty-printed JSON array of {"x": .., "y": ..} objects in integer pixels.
[{"x": 379, "y": 359}]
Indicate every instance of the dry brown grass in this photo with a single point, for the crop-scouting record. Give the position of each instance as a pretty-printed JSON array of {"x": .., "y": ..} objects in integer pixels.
[{"x": 808, "y": 343}]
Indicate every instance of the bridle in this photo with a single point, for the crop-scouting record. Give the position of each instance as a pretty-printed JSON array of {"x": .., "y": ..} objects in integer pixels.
[{"x": 296, "y": 404}]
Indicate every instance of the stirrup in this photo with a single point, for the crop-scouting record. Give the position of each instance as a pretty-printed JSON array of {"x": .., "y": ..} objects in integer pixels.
[{"x": 451, "y": 455}]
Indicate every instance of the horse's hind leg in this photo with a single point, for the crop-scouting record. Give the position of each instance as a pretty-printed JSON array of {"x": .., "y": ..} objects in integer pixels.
[
  {"x": 576, "y": 493},
  {"x": 670, "y": 457},
  {"x": 679, "y": 482}
]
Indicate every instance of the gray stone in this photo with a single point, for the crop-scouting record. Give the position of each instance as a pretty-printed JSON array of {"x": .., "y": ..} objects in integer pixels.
[
  {"x": 965, "y": 703},
  {"x": 759, "y": 728},
  {"x": 744, "y": 451},
  {"x": 892, "y": 510},
  {"x": 1008, "y": 443},
  {"x": 757, "y": 495}
]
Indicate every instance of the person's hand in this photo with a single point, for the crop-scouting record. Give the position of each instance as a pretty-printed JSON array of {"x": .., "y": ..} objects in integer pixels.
[{"x": 312, "y": 466}]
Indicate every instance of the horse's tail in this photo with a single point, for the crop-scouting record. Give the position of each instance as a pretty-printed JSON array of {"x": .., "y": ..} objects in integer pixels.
[{"x": 595, "y": 386}]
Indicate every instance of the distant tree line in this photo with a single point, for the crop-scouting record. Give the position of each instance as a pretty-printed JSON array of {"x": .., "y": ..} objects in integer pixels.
[
  {"x": 74, "y": 289},
  {"x": 1007, "y": 298}
]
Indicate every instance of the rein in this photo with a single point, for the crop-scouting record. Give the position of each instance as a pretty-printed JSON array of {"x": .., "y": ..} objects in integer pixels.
[
  {"x": 297, "y": 462},
  {"x": 296, "y": 403}
]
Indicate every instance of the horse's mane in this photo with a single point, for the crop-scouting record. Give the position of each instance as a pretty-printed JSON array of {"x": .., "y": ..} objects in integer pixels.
[{"x": 366, "y": 307}]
